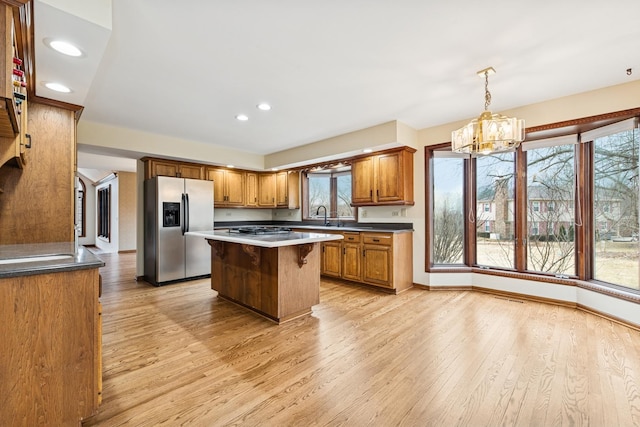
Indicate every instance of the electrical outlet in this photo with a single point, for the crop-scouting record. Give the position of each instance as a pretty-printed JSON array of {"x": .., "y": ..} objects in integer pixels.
[
  {"x": 403, "y": 211},
  {"x": 228, "y": 214},
  {"x": 395, "y": 213},
  {"x": 289, "y": 214},
  {"x": 363, "y": 213}
]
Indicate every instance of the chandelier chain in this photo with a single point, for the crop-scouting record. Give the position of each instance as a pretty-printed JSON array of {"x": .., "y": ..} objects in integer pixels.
[{"x": 487, "y": 94}]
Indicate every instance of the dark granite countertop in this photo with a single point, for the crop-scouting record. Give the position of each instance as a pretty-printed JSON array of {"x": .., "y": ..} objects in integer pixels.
[
  {"x": 43, "y": 258},
  {"x": 349, "y": 226}
]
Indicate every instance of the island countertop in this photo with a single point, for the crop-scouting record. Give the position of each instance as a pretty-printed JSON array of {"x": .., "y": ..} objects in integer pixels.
[{"x": 266, "y": 240}]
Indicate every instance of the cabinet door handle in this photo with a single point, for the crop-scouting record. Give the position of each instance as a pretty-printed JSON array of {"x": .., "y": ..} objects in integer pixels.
[
  {"x": 28, "y": 136},
  {"x": 364, "y": 252},
  {"x": 376, "y": 240},
  {"x": 350, "y": 238}
]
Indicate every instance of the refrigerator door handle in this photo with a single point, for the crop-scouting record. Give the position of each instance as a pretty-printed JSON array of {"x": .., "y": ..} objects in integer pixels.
[
  {"x": 183, "y": 223},
  {"x": 186, "y": 212}
]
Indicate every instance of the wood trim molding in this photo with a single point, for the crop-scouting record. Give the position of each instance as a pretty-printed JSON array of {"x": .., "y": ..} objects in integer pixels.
[
  {"x": 579, "y": 125},
  {"x": 15, "y": 3},
  {"x": 608, "y": 317}
]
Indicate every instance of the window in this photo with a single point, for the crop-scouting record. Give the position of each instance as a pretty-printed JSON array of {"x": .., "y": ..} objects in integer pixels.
[
  {"x": 330, "y": 189},
  {"x": 534, "y": 210},
  {"x": 447, "y": 239},
  {"x": 104, "y": 213},
  {"x": 615, "y": 205},
  {"x": 495, "y": 183},
  {"x": 551, "y": 176}
]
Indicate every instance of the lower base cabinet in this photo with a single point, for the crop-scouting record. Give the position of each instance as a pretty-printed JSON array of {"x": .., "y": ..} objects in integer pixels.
[
  {"x": 50, "y": 358},
  {"x": 375, "y": 258}
]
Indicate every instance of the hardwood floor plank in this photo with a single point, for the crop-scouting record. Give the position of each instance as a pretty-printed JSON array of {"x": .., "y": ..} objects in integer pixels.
[{"x": 178, "y": 355}]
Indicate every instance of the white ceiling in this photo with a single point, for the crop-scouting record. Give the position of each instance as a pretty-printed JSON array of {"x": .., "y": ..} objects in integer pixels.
[{"x": 186, "y": 68}]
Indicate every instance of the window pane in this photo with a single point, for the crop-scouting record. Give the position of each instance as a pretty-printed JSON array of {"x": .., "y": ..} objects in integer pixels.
[
  {"x": 495, "y": 212},
  {"x": 551, "y": 182},
  {"x": 319, "y": 193},
  {"x": 616, "y": 209},
  {"x": 448, "y": 215},
  {"x": 344, "y": 196}
]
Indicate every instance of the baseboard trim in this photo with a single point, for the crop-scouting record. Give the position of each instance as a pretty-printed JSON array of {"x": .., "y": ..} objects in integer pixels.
[{"x": 128, "y": 251}]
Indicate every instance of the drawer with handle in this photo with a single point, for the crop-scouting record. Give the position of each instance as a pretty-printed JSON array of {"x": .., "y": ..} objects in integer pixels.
[
  {"x": 378, "y": 238},
  {"x": 351, "y": 237}
]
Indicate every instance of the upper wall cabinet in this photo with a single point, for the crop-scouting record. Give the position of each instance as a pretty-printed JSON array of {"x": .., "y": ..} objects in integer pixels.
[
  {"x": 158, "y": 167},
  {"x": 383, "y": 179},
  {"x": 228, "y": 186},
  {"x": 288, "y": 189},
  {"x": 13, "y": 93},
  {"x": 12, "y": 82}
]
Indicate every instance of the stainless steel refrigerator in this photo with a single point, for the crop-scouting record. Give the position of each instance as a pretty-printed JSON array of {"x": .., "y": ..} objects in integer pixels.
[{"x": 173, "y": 206}]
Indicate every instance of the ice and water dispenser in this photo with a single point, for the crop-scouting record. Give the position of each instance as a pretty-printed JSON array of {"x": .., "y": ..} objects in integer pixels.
[{"x": 170, "y": 214}]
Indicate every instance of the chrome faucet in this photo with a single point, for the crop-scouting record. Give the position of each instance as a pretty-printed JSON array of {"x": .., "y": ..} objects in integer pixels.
[{"x": 325, "y": 213}]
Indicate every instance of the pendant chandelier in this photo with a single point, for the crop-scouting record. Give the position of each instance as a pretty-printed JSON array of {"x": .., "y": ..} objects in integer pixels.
[{"x": 489, "y": 133}]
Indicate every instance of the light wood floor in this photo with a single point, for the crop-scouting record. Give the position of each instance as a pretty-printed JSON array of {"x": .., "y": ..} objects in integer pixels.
[{"x": 177, "y": 355}]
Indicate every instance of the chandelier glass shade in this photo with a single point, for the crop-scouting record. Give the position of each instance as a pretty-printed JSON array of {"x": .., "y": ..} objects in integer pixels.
[{"x": 489, "y": 133}]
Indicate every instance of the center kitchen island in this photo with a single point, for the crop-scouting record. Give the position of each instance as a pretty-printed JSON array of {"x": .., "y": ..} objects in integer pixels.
[{"x": 275, "y": 273}]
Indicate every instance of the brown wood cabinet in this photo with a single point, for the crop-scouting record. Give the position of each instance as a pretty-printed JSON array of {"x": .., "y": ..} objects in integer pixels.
[
  {"x": 9, "y": 72},
  {"x": 251, "y": 195},
  {"x": 331, "y": 264},
  {"x": 383, "y": 179},
  {"x": 288, "y": 189},
  {"x": 235, "y": 187},
  {"x": 377, "y": 254},
  {"x": 380, "y": 259},
  {"x": 13, "y": 104},
  {"x": 37, "y": 204},
  {"x": 50, "y": 362},
  {"x": 267, "y": 190},
  {"x": 351, "y": 257},
  {"x": 13, "y": 149},
  {"x": 159, "y": 167},
  {"x": 270, "y": 281},
  {"x": 228, "y": 186}
]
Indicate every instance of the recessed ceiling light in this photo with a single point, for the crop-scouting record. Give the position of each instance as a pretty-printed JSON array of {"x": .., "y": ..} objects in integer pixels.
[
  {"x": 263, "y": 106},
  {"x": 230, "y": 166},
  {"x": 242, "y": 117},
  {"x": 58, "y": 87},
  {"x": 274, "y": 169},
  {"x": 63, "y": 47},
  {"x": 367, "y": 150}
]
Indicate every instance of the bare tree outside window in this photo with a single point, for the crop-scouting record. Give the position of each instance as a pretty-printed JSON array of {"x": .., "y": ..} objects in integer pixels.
[
  {"x": 448, "y": 216},
  {"x": 551, "y": 180},
  {"x": 494, "y": 226},
  {"x": 616, "y": 208}
]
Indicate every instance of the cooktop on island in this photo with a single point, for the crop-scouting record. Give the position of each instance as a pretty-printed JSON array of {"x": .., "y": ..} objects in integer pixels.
[{"x": 260, "y": 229}]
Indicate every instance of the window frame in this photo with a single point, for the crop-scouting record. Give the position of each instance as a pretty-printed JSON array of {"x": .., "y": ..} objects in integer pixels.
[
  {"x": 584, "y": 247},
  {"x": 333, "y": 204}
]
